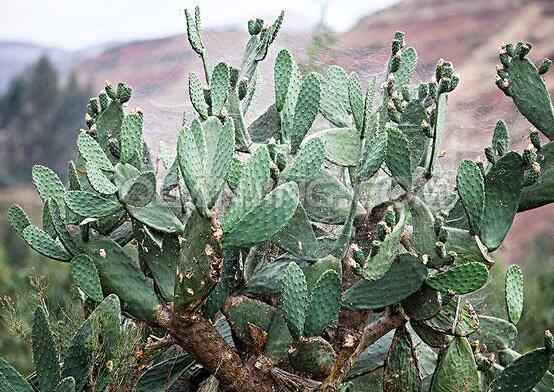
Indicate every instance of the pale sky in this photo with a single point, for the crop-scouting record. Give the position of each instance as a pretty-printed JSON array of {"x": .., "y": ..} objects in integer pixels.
[{"x": 77, "y": 24}]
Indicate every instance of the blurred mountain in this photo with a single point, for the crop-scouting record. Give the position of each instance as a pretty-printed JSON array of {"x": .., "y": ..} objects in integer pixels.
[{"x": 15, "y": 57}]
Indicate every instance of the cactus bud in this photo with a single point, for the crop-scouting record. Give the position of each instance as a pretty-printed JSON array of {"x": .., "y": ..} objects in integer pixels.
[
  {"x": 509, "y": 48},
  {"x": 233, "y": 76},
  {"x": 255, "y": 26},
  {"x": 382, "y": 230},
  {"x": 375, "y": 246},
  {"x": 103, "y": 100},
  {"x": 422, "y": 91},
  {"x": 440, "y": 249},
  {"x": 358, "y": 254},
  {"x": 484, "y": 362},
  {"x": 535, "y": 139},
  {"x": 442, "y": 235},
  {"x": 438, "y": 224},
  {"x": 390, "y": 217},
  {"x": 522, "y": 49},
  {"x": 123, "y": 92},
  {"x": 89, "y": 120},
  {"x": 93, "y": 106},
  {"x": 504, "y": 59},
  {"x": 242, "y": 88},
  {"x": 490, "y": 155},
  {"x": 396, "y": 45},
  {"x": 450, "y": 257},
  {"x": 545, "y": 66},
  {"x": 529, "y": 156},
  {"x": 110, "y": 90}
]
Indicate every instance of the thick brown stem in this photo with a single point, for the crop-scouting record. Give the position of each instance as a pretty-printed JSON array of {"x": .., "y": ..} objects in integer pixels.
[
  {"x": 370, "y": 334},
  {"x": 198, "y": 337}
]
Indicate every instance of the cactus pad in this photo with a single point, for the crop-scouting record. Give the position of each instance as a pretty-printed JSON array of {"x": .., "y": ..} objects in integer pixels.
[
  {"x": 460, "y": 279},
  {"x": 373, "y": 155},
  {"x": 85, "y": 275},
  {"x": 308, "y": 160},
  {"x": 503, "y": 184},
  {"x": 40, "y": 241},
  {"x": 324, "y": 303},
  {"x": 514, "y": 293},
  {"x": 92, "y": 152},
  {"x": 45, "y": 352},
  {"x": 294, "y": 298},
  {"x": 306, "y": 109},
  {"x": 471, "y": 188},
  {"x": 47, "y": 183},
  {"x": 314, "y": 356},
  {"x": 398, "y": 158},
  {"x": 404, "y": 277},
  {"x": 456, "y": 370},
  {"x": 524, "y": 373},
  {"x": 131, "y": 137},
  {"x": 18, "y": 219},
  {"x": 401, "y": 371},
  {"x": 90, "y": 205},
  {"x": 219, "y": 87}
]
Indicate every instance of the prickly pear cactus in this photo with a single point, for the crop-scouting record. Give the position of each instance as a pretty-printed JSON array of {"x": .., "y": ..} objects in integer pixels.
[{"x": 256, "y": 252}]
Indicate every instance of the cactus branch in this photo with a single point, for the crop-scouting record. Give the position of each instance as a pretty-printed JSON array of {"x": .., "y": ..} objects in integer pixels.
[
  {"x": 370, "y": 334},
  {"x": 200, "y": 339}
]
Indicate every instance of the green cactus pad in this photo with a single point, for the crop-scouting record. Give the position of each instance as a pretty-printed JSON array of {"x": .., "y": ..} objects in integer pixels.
[
  {"x": 356, "y": 100},
  {"x": 294, "y": 299},
  {"x": 193, "y": 30},
  {"x": 163, "y": 374},
  {"x": 524, "y": 373},
  {"x": 422, "y": 223},
  {"x": 194, "y": 281},
  {"x": 308, "y": 161},
  {"x": 401, "y": 371},
  {"x": 411, "y": 120},
  {"x": 47, "y": 224},
  {"x": 500, "y": 138},
  {"x": 335, "y": 102},
  {"x": 530, "y": 95},
  {"x": 503, "y": 184},
  {"x": 40, "y": 241},
  {"x": 108, "y": 123},
  {"x": 471, "y": 188},
  {"x": 456, "y": 317},
  {"x": 141, "y": 190},
  {"x": 398, "y": 158},
  {"x": 85, "y": 275},
  {"x": 18, "y": 219},
  {"x": 422, "y": 305},
  {"x": 121, "y": 275},
  {"x": 100, "y": 183},
  {"x": 497, "y": 334},
  {"x": 241, "y": 311},
  {"x": 266, "y": 126},
  {"x": 314, "y": 356},
  {"x": 284, "y": 64},
  {"x": 378, "y": 265},
  {"x": 404, "y": 277},
  {"x": 373, "y": 155},
  {"x": 324, "y": 304},
  {"x": 542, "y": 191},
  {"x": 325, "y": 198},
  {"x": 92, "y": 152},
  {"x": 341, "y": 145},
  {"x": 67, "y": 238},
  {"x": 514, "y": 293},
  {"x": 45, "y": 352},
  {"x": 306, "y": 109},
  {"x": 264, "y": 220},
  {"x": 196, "y": 94},
  {"x": 131, "y": 137},
  {"x": 90, "y": 205},
  {"x": 278, "y": 339},
  {"x": 249, "y": 191},
  {"x": 456, "y": 370},
  {"x": 47, "y": 183},
  {"x": 460, "y": 279},
  {"x": 219, "y": 87},
  {"x": 430, "y": 336},
  {"x": 408, "y": 63},
  {"x": 78, "y": 358},
  {"x": 298, "y": 237},
  {"x": 266, "y": 281},
  {"x": 10, "y": 378},
  {"x": 157, "y": 215}
]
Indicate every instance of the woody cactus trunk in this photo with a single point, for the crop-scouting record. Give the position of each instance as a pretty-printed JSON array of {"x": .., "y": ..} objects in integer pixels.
[{"x": 299, "y": 251}]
